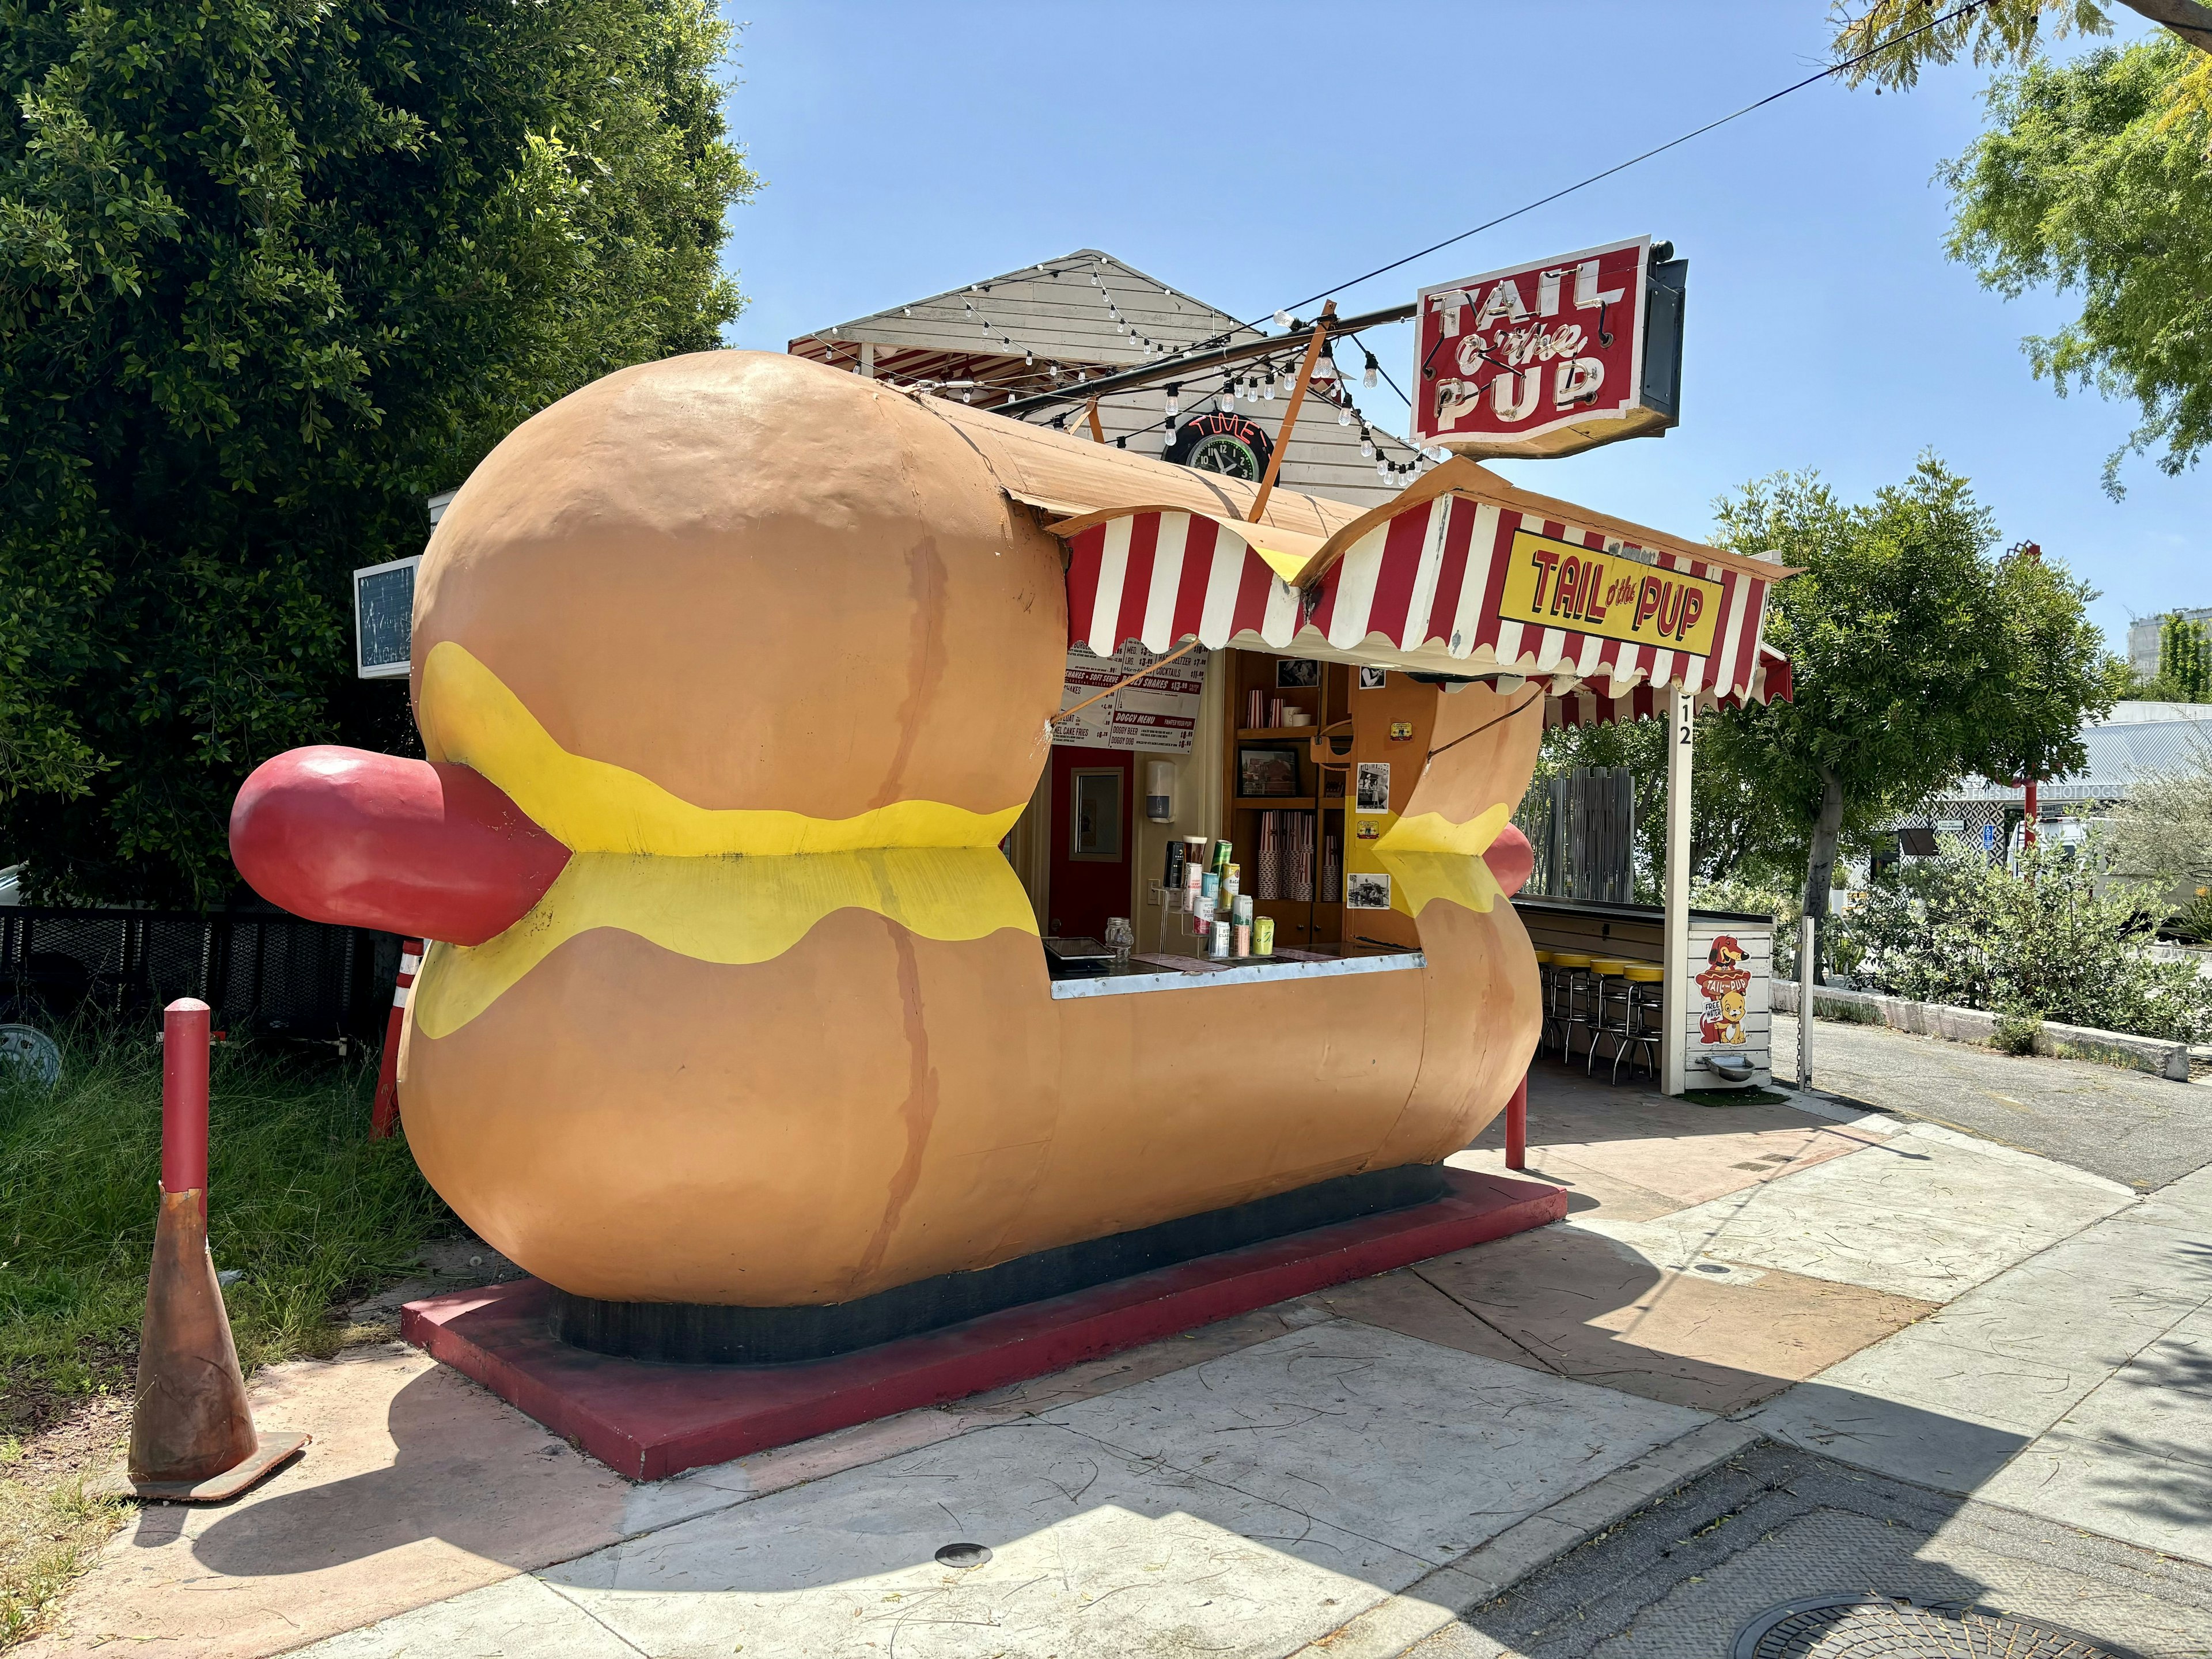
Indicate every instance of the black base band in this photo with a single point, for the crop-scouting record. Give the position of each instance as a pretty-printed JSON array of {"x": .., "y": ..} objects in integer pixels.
[{"x": 687, "y": 1333}]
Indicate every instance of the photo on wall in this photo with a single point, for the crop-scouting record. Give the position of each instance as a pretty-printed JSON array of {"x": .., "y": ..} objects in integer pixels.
[
  {"x": 1373, "y": 679},
  {"x": 1374, "y": 786},
  {"x": 1296, "y": 672},
  {"x": 1366, "y": 890},
  {"x": 1262, "y": 773}
]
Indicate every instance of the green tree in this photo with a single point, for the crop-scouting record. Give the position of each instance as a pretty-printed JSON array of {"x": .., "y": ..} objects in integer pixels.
[
  {"x": 2095, "y": 178},
  {"x": 1737, "y": 832},
  {"x": 1918, "y": 656},
  {"x": 2184, "y": 661},
  {"x": 268, "y": 275},
  {"x": 1889, "y": 42},
  {"x": 2089, "y": 182}
]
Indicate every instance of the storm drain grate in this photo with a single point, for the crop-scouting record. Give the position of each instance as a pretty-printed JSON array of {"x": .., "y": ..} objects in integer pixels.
[{"x": 1872, "y": 1627}]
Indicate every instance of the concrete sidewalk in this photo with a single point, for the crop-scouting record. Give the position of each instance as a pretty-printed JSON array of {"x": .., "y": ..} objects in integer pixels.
[{"x": 1362, "y": 1467}]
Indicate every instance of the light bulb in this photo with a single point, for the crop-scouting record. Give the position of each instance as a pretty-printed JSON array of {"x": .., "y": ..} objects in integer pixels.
[
  {"x": 1282, "y": 320},
  {"x": 1172, "y": 406},
  {"x": 1225, "y": 401},
  {"x": 967, "y": 397},
  {"x": 1268, "y": 388},
  {"x": 906, "y": 310},
  {"x": 1344, "y": 418},
  {"x": 1027, "y": 361},
  {"x": 1367, "y": 375},
  {"x": 1383, "y": 471},
  {"x": 1366, "y": 449}
]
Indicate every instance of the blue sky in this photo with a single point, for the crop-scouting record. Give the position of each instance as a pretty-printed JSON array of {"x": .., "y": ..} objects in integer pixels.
[{"x": 1252, "y": 154}]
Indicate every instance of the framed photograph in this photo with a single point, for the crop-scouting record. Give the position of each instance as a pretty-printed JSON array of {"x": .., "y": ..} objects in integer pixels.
[
  {"x": 1297, "y": 673},
  {"x": 1365, "y": 891},
  {"x": 1265, "y": 772},
  {"x": 1374, "y": 786},
  {"x": 1373, "y": 679}
]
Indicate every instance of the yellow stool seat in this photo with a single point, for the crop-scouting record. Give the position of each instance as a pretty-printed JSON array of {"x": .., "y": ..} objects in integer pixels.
[
  {"x": 1645, "y": 975},
  {"x": 1543, "y": 959},
  {"x": 1608, "y": 967},
  {"x": 1562, "y": 959}
]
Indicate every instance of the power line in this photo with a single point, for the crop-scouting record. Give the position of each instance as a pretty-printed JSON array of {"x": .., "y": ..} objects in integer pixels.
[
  {"x": 1661, "y": 149},
  {"x": 1584, "y": 184}
]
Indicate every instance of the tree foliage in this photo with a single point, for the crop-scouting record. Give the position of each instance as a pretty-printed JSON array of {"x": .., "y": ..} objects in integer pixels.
[
  {"x": 1918, "y": 656},
  {"x": 2086, "y": 182},
  {"x": 270, "y": 273},
  {"x": 2163, "y": 830},
  {"x": 2184, "y": 663},
  {"x": 1889, "y": 42}
]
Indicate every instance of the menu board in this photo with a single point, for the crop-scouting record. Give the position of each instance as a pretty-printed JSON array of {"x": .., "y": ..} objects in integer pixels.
[{"x": 1157, "y": 713}]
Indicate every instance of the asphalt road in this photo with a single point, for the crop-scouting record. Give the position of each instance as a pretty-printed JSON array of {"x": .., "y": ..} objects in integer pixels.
[
  {"x": 2126, "y": 1126},
  {"x": 1680, "y": 1579}
]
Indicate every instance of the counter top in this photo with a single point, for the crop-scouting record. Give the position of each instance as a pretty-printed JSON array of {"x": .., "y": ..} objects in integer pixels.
[
  {"x": 1158, "y": 973},
  {"x": 1653, "y": 914}
]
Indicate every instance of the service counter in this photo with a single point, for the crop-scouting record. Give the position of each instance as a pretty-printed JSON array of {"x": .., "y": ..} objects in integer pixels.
[
  {"x": 1156, "y": 971},
  {"x": 1729, "y": 966}
]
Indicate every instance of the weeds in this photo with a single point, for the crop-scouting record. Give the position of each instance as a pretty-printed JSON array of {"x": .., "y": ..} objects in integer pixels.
[{"x": 309, "y": 1212}]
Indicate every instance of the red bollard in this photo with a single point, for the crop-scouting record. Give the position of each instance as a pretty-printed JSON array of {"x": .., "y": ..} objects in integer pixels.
[
  {"x": 191, "y": 1435},
  {"x": 387, "y": 1109},
  {"x": 1517, "y": 1127}
]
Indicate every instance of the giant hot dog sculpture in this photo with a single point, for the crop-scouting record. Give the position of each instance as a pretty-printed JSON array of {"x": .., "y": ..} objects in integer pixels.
[{"x": 732, "y": 672}]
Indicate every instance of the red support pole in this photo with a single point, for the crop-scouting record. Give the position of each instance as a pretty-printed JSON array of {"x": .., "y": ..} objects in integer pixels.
[
  {"x": 2032, "y": 813},
  {"x": 386, "y": 1112},
  {"x": 185, "y": 1097},
  {"x": 1516, "y": 1127}
]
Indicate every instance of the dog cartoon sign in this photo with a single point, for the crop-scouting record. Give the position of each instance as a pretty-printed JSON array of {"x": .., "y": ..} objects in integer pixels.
[{"x": 1724, "y": 983}]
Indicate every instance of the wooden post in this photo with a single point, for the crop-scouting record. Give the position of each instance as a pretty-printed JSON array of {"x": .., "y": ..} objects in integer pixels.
[
  {"x": 1097, "y": 432},
  {"x": 1290, "y": 415},
  {"x": 1516, "y": 1127},
  {"x": 1674, "y": 1042}
]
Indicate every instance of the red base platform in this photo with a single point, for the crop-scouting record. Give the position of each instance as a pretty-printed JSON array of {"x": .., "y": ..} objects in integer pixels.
[{"x": 647, "y": 1422}]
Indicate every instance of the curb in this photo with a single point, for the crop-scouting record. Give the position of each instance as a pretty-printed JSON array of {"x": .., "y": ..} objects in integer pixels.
[
  {"x": 1447, "y": 1594},
  {"x": 2156, "y": 1056}
]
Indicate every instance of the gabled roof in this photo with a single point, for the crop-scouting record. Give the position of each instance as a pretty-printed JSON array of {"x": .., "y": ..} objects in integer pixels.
[
  {"x": 1086, "y": 307},
  {"x": 1039, "y": 328}
]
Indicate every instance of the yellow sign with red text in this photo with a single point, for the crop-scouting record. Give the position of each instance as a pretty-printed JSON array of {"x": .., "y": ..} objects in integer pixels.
[{"x": 1553, "y": 584}]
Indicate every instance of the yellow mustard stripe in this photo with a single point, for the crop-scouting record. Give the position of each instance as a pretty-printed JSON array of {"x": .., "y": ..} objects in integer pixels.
[
  {"x": 1432, "y": 832},
  {"x": 730, "y": 910},
  {"x": 468, "y": 715},
  {"x": 1420, "y": 879},
  {"x": 1286, "y": 565}
]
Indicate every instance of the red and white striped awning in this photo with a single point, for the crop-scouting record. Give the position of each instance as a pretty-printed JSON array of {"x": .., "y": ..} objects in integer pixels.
[{"x": 1433, "y": 588}]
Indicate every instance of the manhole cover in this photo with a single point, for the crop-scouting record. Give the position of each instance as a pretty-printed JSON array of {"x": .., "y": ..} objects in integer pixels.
[{"x": 1871, "y": 1627}]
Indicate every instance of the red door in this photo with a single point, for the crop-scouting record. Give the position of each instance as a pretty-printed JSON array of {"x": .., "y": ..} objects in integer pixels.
[{"x": 1090, "y": 832}]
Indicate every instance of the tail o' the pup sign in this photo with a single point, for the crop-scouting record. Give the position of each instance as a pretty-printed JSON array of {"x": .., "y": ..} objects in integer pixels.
[
  {"x": 1555, "y": 584},
  {"x": 1552, "y": 357}
]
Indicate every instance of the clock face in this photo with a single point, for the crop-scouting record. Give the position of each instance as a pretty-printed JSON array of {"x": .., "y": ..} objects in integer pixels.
[
  {"x": 1225, "y": 444},
  {"x": 1231, "y": 457}
]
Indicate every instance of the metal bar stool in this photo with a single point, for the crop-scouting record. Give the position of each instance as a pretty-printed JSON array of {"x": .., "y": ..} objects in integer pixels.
[
  {"x": 1570, "y": 971},
  {"x": 1608, "y": 1012},
  {"x": 1544, "y": 997},
  {"x": 1646, "y": 1015}
]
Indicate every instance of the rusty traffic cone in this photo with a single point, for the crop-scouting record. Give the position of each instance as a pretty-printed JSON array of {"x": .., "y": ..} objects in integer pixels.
[{"x": 191, "y": 1435}]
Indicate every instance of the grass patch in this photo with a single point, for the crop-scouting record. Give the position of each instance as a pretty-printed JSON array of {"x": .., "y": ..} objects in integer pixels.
[{"x": 301, "y": 1202}]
